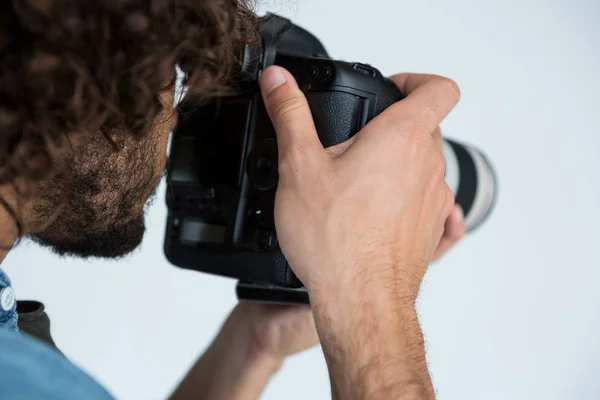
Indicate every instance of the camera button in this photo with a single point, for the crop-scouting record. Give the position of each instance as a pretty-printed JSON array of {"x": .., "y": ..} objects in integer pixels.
[
  {"x": 264, "y": 164},
  {"x": 313, "y": 72},
  {"x": 255, "y": 214},
  {"x": 266, "y": 240},
  {"x": 365, "y": 69}
]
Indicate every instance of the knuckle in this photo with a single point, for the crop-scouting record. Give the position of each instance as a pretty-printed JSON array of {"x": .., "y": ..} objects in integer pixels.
[
  {"x": 447, "y": 205},
  {"x": 439, "y": 167},
  {"x": 435, "y": 187}
]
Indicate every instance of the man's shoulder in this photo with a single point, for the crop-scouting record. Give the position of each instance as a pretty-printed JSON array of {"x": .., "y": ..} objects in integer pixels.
[{"x": 31, "y": 369}]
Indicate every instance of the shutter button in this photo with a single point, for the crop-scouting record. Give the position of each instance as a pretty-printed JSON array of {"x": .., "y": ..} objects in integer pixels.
[
  {"x": 366, "y": 69},
  {"x": 7, "y": 298}
]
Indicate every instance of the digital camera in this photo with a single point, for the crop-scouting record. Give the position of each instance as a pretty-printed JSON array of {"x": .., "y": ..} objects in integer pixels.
[{"x": 223, "y": 162}]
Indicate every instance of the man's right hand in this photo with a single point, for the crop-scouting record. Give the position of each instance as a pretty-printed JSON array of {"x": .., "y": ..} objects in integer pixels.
[
  {"x": 378, "y": 200},
  {"x": 359, "y": 224}
]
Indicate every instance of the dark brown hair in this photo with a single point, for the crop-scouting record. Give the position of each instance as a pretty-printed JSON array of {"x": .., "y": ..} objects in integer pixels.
[{"x": 76, "y": 67}]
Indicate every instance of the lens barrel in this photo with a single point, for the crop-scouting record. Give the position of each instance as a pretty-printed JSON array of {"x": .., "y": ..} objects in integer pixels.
[{"x": 472, "y": 180}]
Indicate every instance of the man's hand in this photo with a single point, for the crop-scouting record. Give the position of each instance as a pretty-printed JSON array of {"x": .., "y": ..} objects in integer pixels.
[
  {"x": 250, "y": 348},
  {"x": 256, "y": 338},
  {"x": 277, "y": 331},
  {"x": 369, "y": 198},
  {"x": 360, "y": 223},
  {"x": 454, "y": 230}
]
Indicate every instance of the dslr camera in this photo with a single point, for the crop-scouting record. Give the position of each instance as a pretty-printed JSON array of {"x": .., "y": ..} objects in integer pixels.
[{"x": 223, "y": 163}]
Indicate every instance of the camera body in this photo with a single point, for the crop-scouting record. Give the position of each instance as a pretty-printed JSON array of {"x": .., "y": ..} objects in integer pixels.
[{"x": 223, "y": 162}]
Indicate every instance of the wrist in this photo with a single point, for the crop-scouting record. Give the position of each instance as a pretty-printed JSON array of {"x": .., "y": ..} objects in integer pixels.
[
  {"x": 386, "y": 277},
  {"x": 233, "y": 367},
  {"x": 238, "y": 336},
  {"x": 377, "y": 316},
  {"x": 260, "y": 363},
  {"x": 348, "y": 300},
  {"x": 372, "y": 340}
]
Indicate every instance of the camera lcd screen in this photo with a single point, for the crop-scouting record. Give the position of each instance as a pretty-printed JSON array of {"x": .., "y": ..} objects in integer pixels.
[{"x": 208, "y": 145}]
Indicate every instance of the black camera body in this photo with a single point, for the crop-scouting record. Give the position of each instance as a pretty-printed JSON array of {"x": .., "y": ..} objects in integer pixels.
[{"x": 223, "y": 162}]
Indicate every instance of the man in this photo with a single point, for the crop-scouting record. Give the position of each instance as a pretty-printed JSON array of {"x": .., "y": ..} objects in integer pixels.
[{"x": 85, "y": 112}]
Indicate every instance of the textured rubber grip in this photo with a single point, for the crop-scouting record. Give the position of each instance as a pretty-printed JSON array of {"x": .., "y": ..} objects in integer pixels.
[{"x": 336, "y": 115}]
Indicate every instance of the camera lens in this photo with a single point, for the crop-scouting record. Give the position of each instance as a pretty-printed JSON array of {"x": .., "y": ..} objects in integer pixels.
[{"x": 472, "y": 180}]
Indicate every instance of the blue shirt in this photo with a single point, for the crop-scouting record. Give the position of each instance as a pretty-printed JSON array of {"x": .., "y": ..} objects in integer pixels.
[{"x": 30, "y": 369}]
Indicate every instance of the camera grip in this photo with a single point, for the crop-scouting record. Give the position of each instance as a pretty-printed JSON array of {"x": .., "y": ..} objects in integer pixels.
[{"x": 337, "y": 115}]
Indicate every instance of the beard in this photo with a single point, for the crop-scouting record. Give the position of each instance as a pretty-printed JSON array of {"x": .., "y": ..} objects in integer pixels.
[
  {"x": 112, "y": 240},
  {"x": 102, "y": 195}
]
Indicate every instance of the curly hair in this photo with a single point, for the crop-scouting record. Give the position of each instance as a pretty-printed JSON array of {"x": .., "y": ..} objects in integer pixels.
[{"x": 71, "y": 68}]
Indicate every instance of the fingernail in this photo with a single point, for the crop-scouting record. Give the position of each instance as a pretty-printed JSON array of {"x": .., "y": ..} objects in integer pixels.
[
  {"x": 459, "y": 214},
  {"x": 272, "y": 78}
]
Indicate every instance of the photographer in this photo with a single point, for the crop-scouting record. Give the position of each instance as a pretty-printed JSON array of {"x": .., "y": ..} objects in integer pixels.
[{"x": 85, "y": 114}]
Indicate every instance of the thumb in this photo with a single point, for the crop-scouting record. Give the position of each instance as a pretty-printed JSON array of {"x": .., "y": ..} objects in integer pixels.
[{"x": 291, "y": 116}]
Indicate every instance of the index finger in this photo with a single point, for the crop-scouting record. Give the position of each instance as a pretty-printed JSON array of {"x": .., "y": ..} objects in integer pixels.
[{"x": 429, "y": 98}]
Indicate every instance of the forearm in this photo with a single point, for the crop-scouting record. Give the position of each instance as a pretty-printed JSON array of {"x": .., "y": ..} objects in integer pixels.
[
  {"x": 230, "y": 369},
  {"x": 373, "y": 345}
]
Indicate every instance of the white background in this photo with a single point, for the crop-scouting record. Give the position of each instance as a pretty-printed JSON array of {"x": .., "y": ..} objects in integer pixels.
[{"x": 513, "y": 313}]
